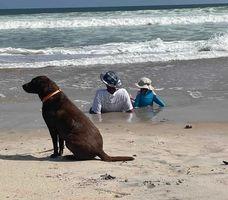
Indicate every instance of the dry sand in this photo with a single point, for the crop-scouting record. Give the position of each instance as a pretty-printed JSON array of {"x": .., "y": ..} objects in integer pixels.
[{"x": 170, "y": 163}]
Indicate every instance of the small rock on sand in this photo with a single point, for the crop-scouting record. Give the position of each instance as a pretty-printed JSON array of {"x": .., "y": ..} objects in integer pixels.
[
  {"x": 188, "y": 126},
  {"x": 225, "y": 162}
]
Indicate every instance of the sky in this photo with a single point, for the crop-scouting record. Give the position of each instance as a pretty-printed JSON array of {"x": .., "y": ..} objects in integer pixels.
[{"x": 4, "y": 4}]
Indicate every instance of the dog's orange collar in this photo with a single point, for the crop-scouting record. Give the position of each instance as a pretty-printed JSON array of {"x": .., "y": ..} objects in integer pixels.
[{"x": 50, "y": 95}]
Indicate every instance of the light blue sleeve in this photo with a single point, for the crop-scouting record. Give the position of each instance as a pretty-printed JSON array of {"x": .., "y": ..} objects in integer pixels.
[
  {"x": 136, "y": 102},
  {"x": 158, "y": 101}
]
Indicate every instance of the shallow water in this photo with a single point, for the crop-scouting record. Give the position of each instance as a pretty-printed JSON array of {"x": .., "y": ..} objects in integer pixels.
[{"x": 193, "y": 91}]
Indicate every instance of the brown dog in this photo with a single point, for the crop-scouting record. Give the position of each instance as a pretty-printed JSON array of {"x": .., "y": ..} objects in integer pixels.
[{"x": 66, "y": 123}]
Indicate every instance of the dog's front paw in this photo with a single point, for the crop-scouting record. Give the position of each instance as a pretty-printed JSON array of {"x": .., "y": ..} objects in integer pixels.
[
  {"x": 54, "y": 155},
  {"x": 60, "y": 153}
]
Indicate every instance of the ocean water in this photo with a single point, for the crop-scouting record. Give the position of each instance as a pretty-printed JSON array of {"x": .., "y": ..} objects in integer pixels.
[
  {"x": 184, "y": 52},
  {"x": 114, "y": 37}
]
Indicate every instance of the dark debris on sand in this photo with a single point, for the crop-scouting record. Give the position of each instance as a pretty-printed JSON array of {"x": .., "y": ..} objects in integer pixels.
[
  {"x": 225, "y": 162},
  {"x": 107, "y": 177},
  {"x": 188, "y": 126}
]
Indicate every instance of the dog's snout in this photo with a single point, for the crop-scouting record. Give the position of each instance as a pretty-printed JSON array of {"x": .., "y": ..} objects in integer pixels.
[{"x": 25, "y": 86}]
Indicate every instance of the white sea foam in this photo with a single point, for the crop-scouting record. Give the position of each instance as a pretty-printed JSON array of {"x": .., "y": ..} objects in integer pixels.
[
  {"x": 2, "y": 96},
  {"x": 176, "y": 88},
  {"x": 20, "y": 51},
  {"x": 195, "y": 94},
  {"x": 82, "y": 86},
  {"x": 117, "y": 53},
  {"x": 110, "y": 60},
  {"x": 82, "y": 101},
  {"x": 216, "y": 98},
  {"x": 131, "y": 19},
  {"x": 217, "y": 43}
]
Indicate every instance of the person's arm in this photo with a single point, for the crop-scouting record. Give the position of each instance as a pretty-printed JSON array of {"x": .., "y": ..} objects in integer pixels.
[
  {"x": 158, "y": 100},
  {"x": 136, "y": 102},
  {"x": 96, "y": 107},
  {"x": 128, "y": 105},
  {"x": 91, "y": 111}
]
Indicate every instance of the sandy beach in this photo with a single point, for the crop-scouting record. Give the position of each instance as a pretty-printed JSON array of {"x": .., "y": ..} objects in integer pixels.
[
  {"x": 171, "y": 162},
  {"x": 185, "y": 57}
]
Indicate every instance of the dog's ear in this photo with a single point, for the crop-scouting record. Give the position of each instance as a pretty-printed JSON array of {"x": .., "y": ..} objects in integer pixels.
[
  {"x": 37, "y": 85},
  {"x": 34, "y": 86},
  {"x": 40, "y": 81},
  {"x": 40, "y": 85},
  {"x": 44, "y": 85}
]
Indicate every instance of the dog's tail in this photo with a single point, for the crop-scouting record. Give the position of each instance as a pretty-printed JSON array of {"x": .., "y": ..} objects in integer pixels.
[{"x": 107, "y": 158}]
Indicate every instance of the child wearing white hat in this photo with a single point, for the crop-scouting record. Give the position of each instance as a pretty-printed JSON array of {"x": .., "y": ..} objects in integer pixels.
[{"x": 146, "y": 95}]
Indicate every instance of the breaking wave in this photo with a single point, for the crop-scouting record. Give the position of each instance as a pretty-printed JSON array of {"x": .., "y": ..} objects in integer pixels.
[{"x": 116, "y": 53}]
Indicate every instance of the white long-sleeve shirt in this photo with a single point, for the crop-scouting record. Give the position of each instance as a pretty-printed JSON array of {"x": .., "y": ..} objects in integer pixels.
[{"x": 105, "y": 102}]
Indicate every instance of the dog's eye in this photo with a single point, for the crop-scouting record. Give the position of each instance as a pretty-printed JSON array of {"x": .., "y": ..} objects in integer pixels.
[
  {"x": 33, "y": 81},
  {"x": 36, "y": 81}
]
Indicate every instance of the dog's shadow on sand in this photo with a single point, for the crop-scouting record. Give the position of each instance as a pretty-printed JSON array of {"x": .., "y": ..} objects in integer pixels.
[{"x": 26, "y": 157}]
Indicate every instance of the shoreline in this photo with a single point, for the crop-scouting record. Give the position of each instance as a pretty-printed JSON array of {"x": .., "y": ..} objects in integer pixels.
[
  {"x": 155, "y": 63},
  {"x": 170, "y": 163}
]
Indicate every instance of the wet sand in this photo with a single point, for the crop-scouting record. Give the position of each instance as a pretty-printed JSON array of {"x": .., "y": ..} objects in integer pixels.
[{"x": 171, "y": 162}]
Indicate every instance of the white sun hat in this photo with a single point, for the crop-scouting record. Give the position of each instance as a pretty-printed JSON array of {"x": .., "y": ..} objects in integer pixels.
[{"x": 145, "y": 83}]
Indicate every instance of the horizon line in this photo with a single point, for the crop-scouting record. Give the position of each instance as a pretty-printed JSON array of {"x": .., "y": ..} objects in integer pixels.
[{"x": 13, "y": 11}]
